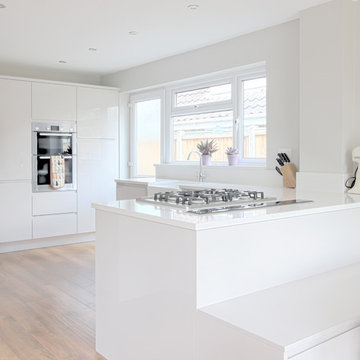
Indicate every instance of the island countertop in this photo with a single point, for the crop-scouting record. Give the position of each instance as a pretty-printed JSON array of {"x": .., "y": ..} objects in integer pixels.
[{"x": 321, "y": 203}]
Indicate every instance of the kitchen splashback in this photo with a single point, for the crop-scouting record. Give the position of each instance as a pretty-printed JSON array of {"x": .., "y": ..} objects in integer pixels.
[{"x": 221, "y": 174}]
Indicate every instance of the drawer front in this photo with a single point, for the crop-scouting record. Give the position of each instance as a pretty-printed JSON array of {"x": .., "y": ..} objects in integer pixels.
[
  {"x": 54, "y": 225},
  {"x": 49, "y": 203}
]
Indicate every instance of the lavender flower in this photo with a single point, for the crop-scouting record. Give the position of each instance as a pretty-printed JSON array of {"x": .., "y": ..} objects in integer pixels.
[
  {"x": 232, "y": 151},
  {"x": 207, "y": 147}
]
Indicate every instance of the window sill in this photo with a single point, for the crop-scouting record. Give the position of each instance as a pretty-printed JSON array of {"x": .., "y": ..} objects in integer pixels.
[{"x": 248, "y": 165}]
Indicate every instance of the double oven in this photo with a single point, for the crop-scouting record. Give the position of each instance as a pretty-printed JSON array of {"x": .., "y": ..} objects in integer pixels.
[{"x": 53, "y": 139}]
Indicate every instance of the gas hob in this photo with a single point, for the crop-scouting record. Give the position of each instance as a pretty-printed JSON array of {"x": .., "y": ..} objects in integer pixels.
[{"x": 206, "y": 198}]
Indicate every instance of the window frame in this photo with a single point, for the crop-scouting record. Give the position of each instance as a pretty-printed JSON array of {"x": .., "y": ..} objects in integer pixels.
[
  {"x": 133, "y": 156},
  {"x": 236, "y": 80},
  {"x": 197, "y": 109},
  {"x": 240, "y": 122},
  {"x": 167, "y": 94}
]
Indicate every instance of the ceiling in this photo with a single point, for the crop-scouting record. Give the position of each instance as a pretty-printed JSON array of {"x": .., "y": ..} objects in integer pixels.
[{"x": 43, "y": 32}]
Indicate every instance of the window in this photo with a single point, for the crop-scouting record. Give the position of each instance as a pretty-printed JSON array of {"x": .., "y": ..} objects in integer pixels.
[
  {"x": 254, "y": 118},
  {"x": 146, "y": 121},
  {"x": 229, "y": 109},
  {"x": 211, "y": 94},
  {"x": 190, "y": 129}
]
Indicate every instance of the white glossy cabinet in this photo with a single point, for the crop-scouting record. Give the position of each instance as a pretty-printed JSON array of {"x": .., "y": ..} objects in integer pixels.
[
  {"x": 15, "y": 211},
  {"x": 15, "y": 129},
  {"x": 53, "y": 102},
  {"x": 56, "y": 202},
  {"x": 97, "y": 129},
  {"x": 345, "y": 346},
  {"x": 98, "y": 111},
  {"x": 97, "y": 169},
  {"x": 54, "y": 225}
]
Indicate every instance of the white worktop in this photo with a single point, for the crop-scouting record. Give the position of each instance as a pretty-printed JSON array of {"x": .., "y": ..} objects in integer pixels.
[
  {"x": 323, "y": 202},
  {"x": 298, "y": 315},
  {"x": 150, "y": 181}
]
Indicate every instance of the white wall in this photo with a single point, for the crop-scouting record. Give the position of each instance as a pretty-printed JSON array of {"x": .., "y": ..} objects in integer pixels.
[
  {"x": 20, "y": 70},
  {"x": 329, "y": 90},
  {"x": 278, "y": 46}
]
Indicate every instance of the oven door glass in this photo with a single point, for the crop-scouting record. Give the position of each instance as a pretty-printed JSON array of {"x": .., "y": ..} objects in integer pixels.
[
  {"x": 43, "y": 170},
  {"x": 54, "y": 144}
]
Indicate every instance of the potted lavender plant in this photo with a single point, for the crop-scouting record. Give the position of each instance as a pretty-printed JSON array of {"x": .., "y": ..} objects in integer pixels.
[
  {"x": 207, "y": 148},
  {"x": 233, "y": 156}
]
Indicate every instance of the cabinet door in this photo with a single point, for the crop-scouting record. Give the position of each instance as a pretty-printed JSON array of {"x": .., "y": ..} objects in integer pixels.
[
  {"x": 97, "y": 166},
  {"x": 15, "y": 211},
  {"x": 97, "y": 113},
  {"x": 345, "y": 346},
  {"x": 15, "y": 130},
  {"x": 53, "y": 102}
]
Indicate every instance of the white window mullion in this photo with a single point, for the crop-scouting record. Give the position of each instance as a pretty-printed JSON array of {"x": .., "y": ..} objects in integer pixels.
[
  {"x": 133, "y": 140},
  {"x": 240, "y": 125},
  {"x": 235, "y": 102},
  {"x": 169, "y": 130}
]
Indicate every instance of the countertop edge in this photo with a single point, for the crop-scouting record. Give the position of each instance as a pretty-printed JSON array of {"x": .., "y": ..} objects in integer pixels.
[
  {"x": 225, "y": 223},
  {"x": 151, "y": 218}
]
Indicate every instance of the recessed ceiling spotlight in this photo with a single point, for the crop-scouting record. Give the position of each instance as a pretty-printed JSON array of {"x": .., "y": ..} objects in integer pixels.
[
  {"x": 92, "y": 49},
  {"x": 2, "y": 6},
  {"x": 193, "y": 6},
  {"x": 133, "y": 32},
  {"x": 62, "y": 62}
]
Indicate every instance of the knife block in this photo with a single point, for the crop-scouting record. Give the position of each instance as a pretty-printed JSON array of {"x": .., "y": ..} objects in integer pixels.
[{"x": 289, "y": 175}]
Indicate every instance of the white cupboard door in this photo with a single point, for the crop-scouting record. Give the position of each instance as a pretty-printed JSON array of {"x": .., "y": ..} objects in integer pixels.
[
  {"x": 97, "y": 113},
  {"x": 345, "y": 346},
  {"x": 97, "y": 169},
  {"x": 15, "y": 130},
  {"x": 53, "y": 102},
  {"x": 15, "y": 211}
]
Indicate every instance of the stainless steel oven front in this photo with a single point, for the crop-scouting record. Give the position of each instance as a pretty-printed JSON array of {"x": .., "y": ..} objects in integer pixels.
[{"x": 53, "y": 139}]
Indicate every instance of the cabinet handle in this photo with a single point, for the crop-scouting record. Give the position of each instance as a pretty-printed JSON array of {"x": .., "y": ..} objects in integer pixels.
[{"x": 55, "y": 134}]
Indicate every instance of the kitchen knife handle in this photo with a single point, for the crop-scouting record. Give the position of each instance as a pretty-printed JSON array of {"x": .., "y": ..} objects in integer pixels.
[
  {"x": 280, "y": 162},
  {"x": 278, "y": 170},
  {"x": 286, "y": 158},
  {"x": 281, "y": 156}
]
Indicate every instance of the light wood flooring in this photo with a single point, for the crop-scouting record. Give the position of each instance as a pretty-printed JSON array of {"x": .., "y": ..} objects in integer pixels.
[{"x": 47, "y": 304}]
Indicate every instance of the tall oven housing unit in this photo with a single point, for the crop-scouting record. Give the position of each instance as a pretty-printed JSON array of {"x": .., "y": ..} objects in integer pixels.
[{"x": 53, "y": 139}]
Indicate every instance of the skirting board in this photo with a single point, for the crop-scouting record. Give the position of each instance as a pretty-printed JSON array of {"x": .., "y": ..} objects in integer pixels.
[{"x": 45, "y": 242}]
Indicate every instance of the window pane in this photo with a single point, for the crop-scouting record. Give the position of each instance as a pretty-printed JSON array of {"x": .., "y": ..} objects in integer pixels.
[
  {"x": 189, "y": 130},
  {"x": 148, "y": 134},
  {"x": 255, "y": 118},
  {"x": 203, "y": 96}
]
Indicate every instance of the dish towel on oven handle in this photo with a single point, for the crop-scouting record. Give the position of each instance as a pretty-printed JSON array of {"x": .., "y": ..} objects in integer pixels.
[{"x": 57, "y": 171}]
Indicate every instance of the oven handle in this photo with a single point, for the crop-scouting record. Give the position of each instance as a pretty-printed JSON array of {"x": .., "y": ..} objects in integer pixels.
[
  {"x": 48, "y": 157},
  {"x": 55, "y": 134}
]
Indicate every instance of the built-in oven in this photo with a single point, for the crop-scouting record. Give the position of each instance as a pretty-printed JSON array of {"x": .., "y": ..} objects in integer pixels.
[{"x": 48, "y": 140}]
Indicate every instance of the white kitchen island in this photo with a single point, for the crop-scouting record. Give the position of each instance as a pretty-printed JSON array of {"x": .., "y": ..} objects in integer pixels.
[{"x": 174, "y": 285}]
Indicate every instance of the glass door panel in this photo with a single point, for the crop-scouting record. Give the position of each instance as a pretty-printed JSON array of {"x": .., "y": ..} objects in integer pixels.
[
  {"x": 54, "y": 144},
  {"x": 147, "y": 116}
]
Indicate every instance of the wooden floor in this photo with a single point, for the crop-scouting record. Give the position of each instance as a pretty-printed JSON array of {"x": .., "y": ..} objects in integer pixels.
[{"x": 47, "y": 304}]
